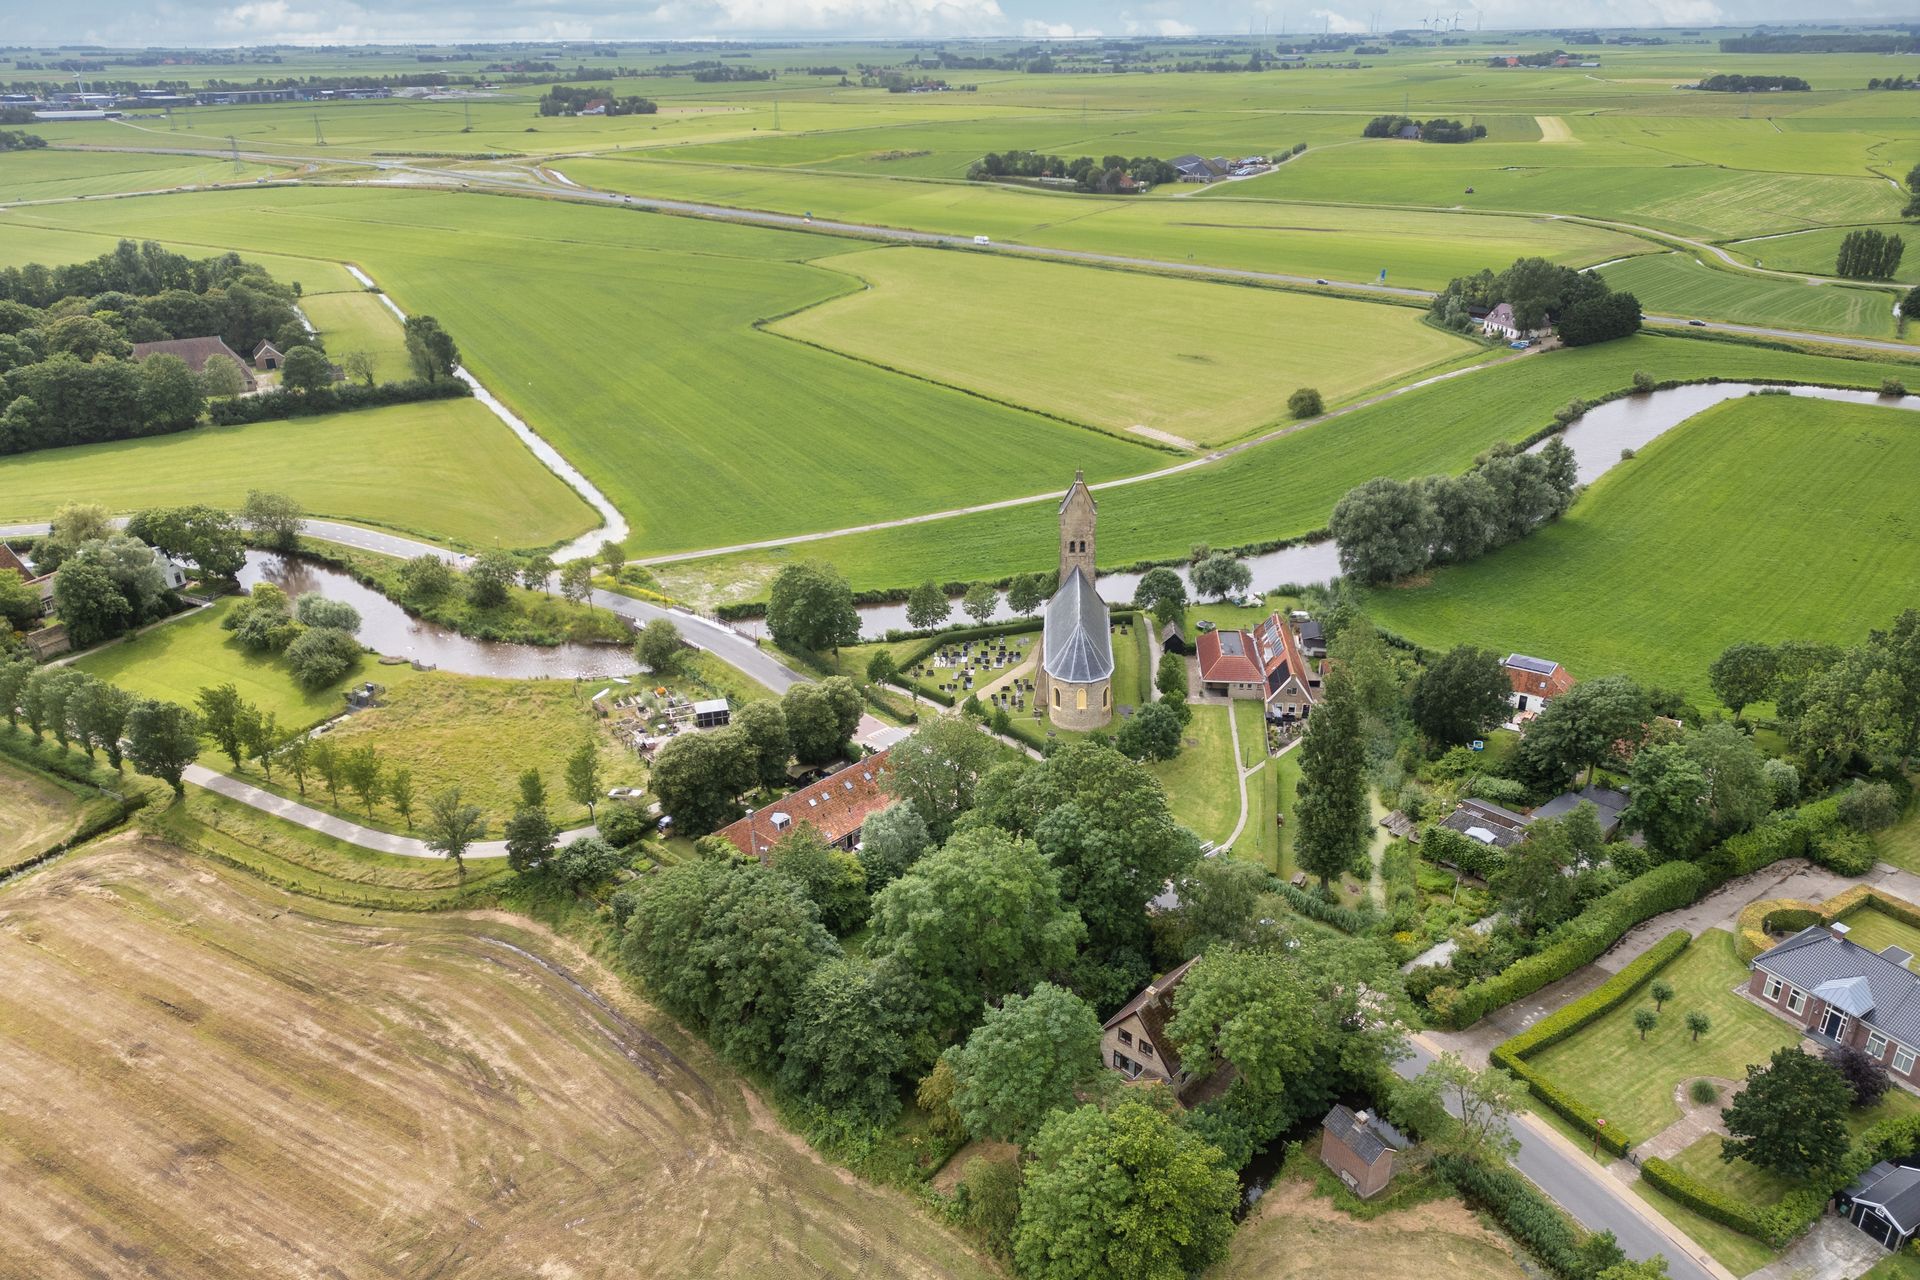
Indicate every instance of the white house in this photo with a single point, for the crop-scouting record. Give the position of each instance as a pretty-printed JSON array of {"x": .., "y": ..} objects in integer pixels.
[{"x": 1500, "y": 322}]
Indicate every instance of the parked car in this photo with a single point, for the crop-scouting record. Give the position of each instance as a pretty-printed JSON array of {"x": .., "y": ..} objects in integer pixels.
[
  {"x": 625, "y": 793},
  {"x": 1521, "y": 344}
]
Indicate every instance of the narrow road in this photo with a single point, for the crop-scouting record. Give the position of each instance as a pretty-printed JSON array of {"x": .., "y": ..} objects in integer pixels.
[
  {"x": 1594, "y": 1198},
  {"x": 350, "y": 535},
  {"x": 718, "y": 639}
]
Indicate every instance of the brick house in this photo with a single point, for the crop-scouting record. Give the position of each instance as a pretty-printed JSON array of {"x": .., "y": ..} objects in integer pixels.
[
  {"x": 1535, "y": 681},
  {"x": 1839, "y": 992},
  {"x": 1266, "y": 663},
  {"x": 835, "y": 807},
  {"x": 1134, "y": 1041},
  {"x": 196, "y": 352},
  {"x": 1359, "y": 1147}
]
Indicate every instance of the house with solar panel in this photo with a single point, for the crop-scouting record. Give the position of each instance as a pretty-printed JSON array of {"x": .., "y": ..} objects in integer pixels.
[
  {"x": 1840, "y": 992},
  {"x": 1535, "y": 681},
  {"x": 1267, "y": 662},
  {"x": 1075, "y": 683}
]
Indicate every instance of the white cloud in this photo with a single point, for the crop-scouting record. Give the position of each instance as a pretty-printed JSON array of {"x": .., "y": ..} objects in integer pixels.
[
  {"x": 861, "y": 17},
  {"x": 1039, "y": 30},
  {"x": 1330, "y": 21}
]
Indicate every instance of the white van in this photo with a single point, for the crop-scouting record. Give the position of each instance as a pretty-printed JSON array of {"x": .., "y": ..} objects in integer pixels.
[{"x": 981, "y": 240}]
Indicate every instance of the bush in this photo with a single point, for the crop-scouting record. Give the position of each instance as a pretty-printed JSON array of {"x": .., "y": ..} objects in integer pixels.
[
  {"x": 1523, "y": 1211},
  {"x": 1847, "y": 853},
  {"x": 1305, "y": 403},
  {"x": 339, "y": 398},
  {"x": 1893, "y": 387},
  {"x": 321, "y": 656},
  {"x": 1789, "y": 834},
  {"x": 1709, "y": 1202},
  {"x": 1869, "y": 806},
  {"x": 622, "y": 825},
  {"x": 1445, "y": 845},
  {"x": 1314, "y": 907},
  {"x": 1704, "y": 1092},
  {"x": 1499, "y": 790}
]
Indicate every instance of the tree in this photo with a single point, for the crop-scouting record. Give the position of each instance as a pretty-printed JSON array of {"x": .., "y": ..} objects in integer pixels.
[
  {"x": 1333, "y": 820},
  {"x": 1868, "y": 254},
  {"x": 881, "y": 668},
  {"x": 1599, "y": 319},
  {"x": 363, "y": 771},
  {"x": 1464, "y": 519},
  {"x": 1698, "y": 1024},
  {"x": 1220, "y": 902},
  {"x": 1578, "y": 729},
  {"x": 1644, "y": 1021},
  {"x": 222, "y": 720},
  {"x": 659, "y": 647},
  {"x": 1028, "y": 592},
  {"x": 1162, "y": 594},
  {"x": 576, "y": 581},
  {"x": 698, "y": 775},
  {"x": 927, "y": 606},
  {"x": 613, "y": 555},
  {"x": 328, "y": 765},
  {"x": 74, "y": 525},
  {"x": 358, "y": 364},
  {"x": 1154, "y": 733},
  {"x": 1459, "y": 1110},
  {"x": 1170, "y": 678},
  {"x": 274, "y": 518},
  {"x": 831, "y": 879},
  {"x": 891, "y": 841},
  {"x": 583, "y": 775},
  {"x": 1661, "y": 993},
  {"x": 222, "y": 377},
  {"x": 537, "y": 574},
  {"x": 15, "y": 668},
  {"x": 105, "y": 718},
  {"x": 1535, "y": 883},
  {"x": 533, "y": 789},
  {"x": 937, "y": 770},
  {"x": 1791, "y": 1117},
  {"x": 453, "y": 826},
  {"x": 425, "y": 579},
  {"x": 322, "y": 656},
  {"x": 980, "y": 601},
  {"x": 1461, "y": 695},
  {"x": 205, "y": 535},
  {"x": 296, "y": 755},
  {"x": 430, "y": 349},
  {"x": 89, "y": 602},
  {"x": 491, "y": 578},
  {"x": 1783, "y": 782},
  {"x": 1742, "y": 675},
  {"x": 1305, "y": 402},
  {"x": 1864, "y": 1075},
  {"x": 1025, "y": 1060},
  {"x": 306, "y": 370},
  {"x": 400, "y": 793},
  {"x": 1122, "y": 1195},
  {"x": 585, "y": 862},
  {"x": 1669, "y": 800},
  {"x": 162, "y": 740},
  {"x": 1220, "y": 575},
  {"x": 810, "y": 606},
  {"x": 1869, "y": 806},
  {"x": 1738, "y": 793},
  {"x": 842, "y": 1048},
  {"x": 972, "y": 921},
  {"x": 1386, "y": 530},
  {"x": 821, "y": 718},
  {"x": 530, "y": 838}
]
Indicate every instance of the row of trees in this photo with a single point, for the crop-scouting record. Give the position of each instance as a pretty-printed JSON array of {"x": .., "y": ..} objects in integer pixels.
[
  {"x": 1108, "y": 175},
  {"x": 1438, "y": 129},
  {"x": 1581, "y": 306},
  {"x": 1388, "y": 528},
  {"x": 1725, "y": 83},
  {"x": 20, "y": 140},
  {"x": 571, "y": 100},
  {"x": 1868, "y": 254}
]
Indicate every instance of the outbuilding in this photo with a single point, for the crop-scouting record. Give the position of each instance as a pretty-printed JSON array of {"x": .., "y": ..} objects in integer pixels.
[
  {"x": 714, "y": 713},
  {"x": 1884, "y": 1202},
  {"x": 1359, "y": 1147}
]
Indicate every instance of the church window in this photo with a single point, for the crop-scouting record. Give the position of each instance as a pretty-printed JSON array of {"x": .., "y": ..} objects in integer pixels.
[
  {"x": 1080, "y": 699},
  {"x": 1056, "y": 696},
  {"x": 1103, "y": 695}
]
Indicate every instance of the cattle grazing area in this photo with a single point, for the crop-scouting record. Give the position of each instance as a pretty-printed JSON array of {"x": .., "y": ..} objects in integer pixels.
[{"x": 205, "y": 1079}]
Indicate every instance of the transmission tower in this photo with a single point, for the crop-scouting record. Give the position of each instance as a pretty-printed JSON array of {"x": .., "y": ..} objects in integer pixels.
[
  {"x": 319, "y": 138},
  {"x": 234, "y": 147}
]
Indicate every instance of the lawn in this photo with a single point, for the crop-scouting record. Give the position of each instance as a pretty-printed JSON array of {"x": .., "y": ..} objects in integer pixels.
[
  {"x": 177, "y": 659},
  {"x": 1677, "y": 284},
  {"x": 1796, "y": 519},
  {"x": 1900, "y": 844},
  {"x": 361, "y": 322},
  {"x": 1876, "y": 931},
  {"x": 1288, "y": 487},
  {"x": 36, "y": 813},
  {"x": 1735, "y": 1250},
  {"x": 1071, "y": 341},
  {"x": 1895, "y": 1266},
  {"x": 1201, "y": 781},
  {"x": 444, "y": 469}
]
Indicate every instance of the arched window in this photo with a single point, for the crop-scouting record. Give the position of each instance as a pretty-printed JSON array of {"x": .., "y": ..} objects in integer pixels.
[
  {"x": 1056, "y": 695},
  {"x": 1104, "y": 691},
  {"x": 1079, "y": 699}
]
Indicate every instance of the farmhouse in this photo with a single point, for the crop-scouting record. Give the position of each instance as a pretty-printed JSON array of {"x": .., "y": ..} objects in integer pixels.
[
  {"x": 1841, "y": 993},
  {"x": 1535, "y": 681},
  {"x": 1134, "y": 1041},
  {"x": 196, "y": 352},
  {"x": 1076, "y": 641},
  {"x": 1500, "y": 322},
  {"x": 1265, "y": 663},
  {"x": 1359, "y": 1147},
  {"x": 834, "y": 807}
]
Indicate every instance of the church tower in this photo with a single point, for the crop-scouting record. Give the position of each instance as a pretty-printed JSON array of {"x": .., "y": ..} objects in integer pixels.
[{"x": 1077, "y": 514}]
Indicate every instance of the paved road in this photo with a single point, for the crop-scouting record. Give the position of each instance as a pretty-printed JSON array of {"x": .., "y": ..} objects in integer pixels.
[
  {"x": 1596, "y": 1199},
  {"x": 340, "y": 828},
  {"x": 722, "y": 641}
]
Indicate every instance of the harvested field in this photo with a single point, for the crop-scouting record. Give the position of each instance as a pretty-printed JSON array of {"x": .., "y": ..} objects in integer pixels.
[
  {"x": 35, "y": 814},
  {"x": 203, "y": 1077}
]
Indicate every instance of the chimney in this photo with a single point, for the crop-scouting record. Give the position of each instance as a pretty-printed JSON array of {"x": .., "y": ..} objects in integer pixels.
[
  {"x": 1361, "y": 1117},
  {"x": 1839, "y": 930}
]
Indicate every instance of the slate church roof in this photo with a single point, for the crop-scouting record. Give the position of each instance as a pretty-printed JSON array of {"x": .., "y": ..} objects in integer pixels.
[{"x": 1077, "y": 642}]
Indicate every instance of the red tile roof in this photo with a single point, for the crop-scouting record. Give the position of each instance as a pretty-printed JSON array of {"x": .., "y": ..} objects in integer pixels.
[
  {"x": 1233, "y": 661},
  {"x": 1534, "y": 684},
  {"x": 835, "y": 806}
]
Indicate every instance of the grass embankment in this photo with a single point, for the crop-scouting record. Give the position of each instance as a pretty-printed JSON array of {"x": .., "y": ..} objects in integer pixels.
[
  {"x": 37, "y": 811},
  {"x": 1288, "y": 487},
  {"x": 278, "y": 1039},
  {"x": 1767, "y": 518},
  {"x": 1062, "y": 338},
  {"x": 447, "y": 470}
]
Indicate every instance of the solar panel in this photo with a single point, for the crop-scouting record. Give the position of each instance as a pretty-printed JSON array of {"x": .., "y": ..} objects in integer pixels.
[
  {"x": 1230, "y": 643},
  {"x": 1539, "y": 666}
]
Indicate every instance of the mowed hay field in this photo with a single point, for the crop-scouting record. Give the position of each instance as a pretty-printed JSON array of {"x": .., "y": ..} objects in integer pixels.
[
  {"x": 628, "y": 341},
  {"x": 1296, "y": 1234},
  {"x": 52, "y": 175},
  {"x": 1676, "y": 284},
  {"x": 202, "y": 1077},
  {"x": 1203, "y": 362},
  {"x": 447, "y": 469},
  {"x": 1767, "y": 518},
  {"x": 1817, "y": 252},
  {"x": 35, "y": 814}
]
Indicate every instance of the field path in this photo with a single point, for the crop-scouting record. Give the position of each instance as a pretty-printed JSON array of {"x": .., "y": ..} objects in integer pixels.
[{"x": 1554, "y": 129}]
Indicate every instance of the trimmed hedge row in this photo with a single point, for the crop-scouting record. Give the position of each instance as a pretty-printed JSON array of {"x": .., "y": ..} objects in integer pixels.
[
  {"x": 1762, "y": 918},
  {"x": 1710, "y": 1202},
  {"x": 1551, "y": 1030},
  {"x": 1445, "y": 845},
  {"x": 272, "y": 405},
  {"x": 1311, "y": 905},
  {"x": 1795, "y": 833},
  {"x": 1526, "y": 1214},
  {"x": 1582, "y": 939}
]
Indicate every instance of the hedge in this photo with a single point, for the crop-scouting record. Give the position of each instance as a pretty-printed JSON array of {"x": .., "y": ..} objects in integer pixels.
[
  {"x": 1795, "y": 833},
  {"x": 1760, "y": 919},
  {"x": 1710, "y": 1202},
  {"x": 1311, "y": 905},
  {"x": 1441, "y": 844},
  {"x": 1582, "y": 939},
  {"x": 1551, "y": 1030},
  {"x": 272, "y": 405},
  {"x": 1526, "y": 1214}
]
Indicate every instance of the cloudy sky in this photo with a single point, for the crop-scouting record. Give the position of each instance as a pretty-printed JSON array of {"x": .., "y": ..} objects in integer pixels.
[{"x": 229, "y": 22}]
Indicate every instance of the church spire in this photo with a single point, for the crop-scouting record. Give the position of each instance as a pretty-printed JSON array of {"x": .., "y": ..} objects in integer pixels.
[{"x": 1077, "y": 515}]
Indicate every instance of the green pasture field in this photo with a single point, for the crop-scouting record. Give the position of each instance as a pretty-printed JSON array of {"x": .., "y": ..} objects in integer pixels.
[
  {"x": 53, "y": 246},
  {"x": 1796, "y": 520},
  {"x": 1200, "y": 781},
  {"x": 55, "y": 175},
  {"x": 1676, "y": 284},
  {"x": 1418, "y": 248},
  {"x": 1200, "y": 361},
  {"x": 1287, "y": 487},
  {"x": 361, "y": 322},
  {"x": 627, "y": 340},
  {"x": 444, "y": 469},
  {"x": 177, "y": 659},
  {"x": 1816, "y": 252}
]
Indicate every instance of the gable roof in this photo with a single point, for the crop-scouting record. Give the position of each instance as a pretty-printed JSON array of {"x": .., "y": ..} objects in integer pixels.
[
  {"x": 1538, "y": 677},
  {"x": 1489, "y": 823},
  {"x": 1227, "y": 656},
  {"x": 1079, "y": 486},
  {"x": 264, "y": 347},
  {"x": 10, "y": 559},
  {"x": 1881, "y": 992},
  {"x": 1076, "y": 641},
  {"x": 1154, "y": 1007},
  {"x": 835, "y": 806},
  {"x": 1368, "y": 1139},
  {"x": 195, "y": 351},
  {"x": 1894, "y": 1191},
  {"x": 1610, "y": 804}
]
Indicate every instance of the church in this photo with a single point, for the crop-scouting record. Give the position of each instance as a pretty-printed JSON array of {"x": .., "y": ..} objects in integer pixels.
[{"x": 1076, "y": 645}]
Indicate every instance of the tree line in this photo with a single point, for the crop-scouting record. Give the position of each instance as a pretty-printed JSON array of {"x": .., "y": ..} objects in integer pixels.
[
  {"x": 1724, "y": 83},
  {"x": 20, "y": 140},
  {"x": 570, "y": 100},
  {"x": 1869, "y": 254},
  {"x": 1438, "y": 129},
  {"x": 1088, "y": 174}
]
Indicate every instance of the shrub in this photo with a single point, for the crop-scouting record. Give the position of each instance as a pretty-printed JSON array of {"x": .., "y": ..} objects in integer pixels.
[
  {"x": 1498, "y": 790},
  {"x": 622, "y": 824},
  {"x": 321, "y": 656},
  {"x": 1642, "y": 381},
  {"x": 1526, "y": 1214},
  {"x": 1305, "y": 403},
  {"x": 1709, "y": 1202},
  {"x": 1893, "y": 387},
  {"x": 1704, "y": 1092},
  {"x": 1314, "y": 907},
  {"x": 1445, "y": 845},
  {"x": 1846, "y": 852},
  {"x": 1869, "y": 806},
  {"x": 1789, "y": 834}
]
